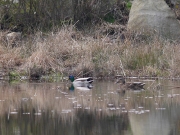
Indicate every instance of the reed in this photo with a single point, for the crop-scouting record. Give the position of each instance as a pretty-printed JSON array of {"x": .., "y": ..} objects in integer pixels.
[{"x": 69, "y": 51}]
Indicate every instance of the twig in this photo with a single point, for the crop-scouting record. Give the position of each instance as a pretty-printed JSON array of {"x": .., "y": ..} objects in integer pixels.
[
  {"x": 121, "y": 65},
  {"x": 78, "y": 74}
]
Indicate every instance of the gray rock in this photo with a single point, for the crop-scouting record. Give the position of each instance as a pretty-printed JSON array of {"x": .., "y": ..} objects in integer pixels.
[
  {"x": 13, "y": 38},
  {"x": 154, "y": 16}
]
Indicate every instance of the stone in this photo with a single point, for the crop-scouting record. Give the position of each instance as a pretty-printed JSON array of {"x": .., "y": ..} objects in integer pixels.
[
  {"x": 13, "y": 38},
  {"x": 154, "y": 16}
]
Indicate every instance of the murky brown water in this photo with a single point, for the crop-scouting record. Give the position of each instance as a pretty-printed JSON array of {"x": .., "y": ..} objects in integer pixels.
[{"x": 56, "y": 109}]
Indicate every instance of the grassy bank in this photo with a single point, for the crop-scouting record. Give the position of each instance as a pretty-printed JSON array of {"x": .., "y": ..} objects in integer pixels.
[{"x": 98, "y": 53}]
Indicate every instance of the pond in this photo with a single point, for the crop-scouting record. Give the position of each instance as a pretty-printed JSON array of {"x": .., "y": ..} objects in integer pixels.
[{"x": 54, "y": 109}]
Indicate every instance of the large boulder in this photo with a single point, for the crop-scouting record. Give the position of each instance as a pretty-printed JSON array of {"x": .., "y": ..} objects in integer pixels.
[{"x": 154, "y": 16}]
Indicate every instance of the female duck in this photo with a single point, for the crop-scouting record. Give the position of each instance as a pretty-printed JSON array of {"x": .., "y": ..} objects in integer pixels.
[
  {"x": 81, "y": 82},
  {"x": 130, "y": 85}
]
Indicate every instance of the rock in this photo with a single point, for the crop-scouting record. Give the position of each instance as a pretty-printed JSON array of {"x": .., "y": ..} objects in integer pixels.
[
  {"x": 13, "y": 38},
  {"x": 154, "y": 16}
]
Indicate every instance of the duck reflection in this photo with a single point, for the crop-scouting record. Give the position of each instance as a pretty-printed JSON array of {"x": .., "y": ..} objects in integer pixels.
[
  {"x": 71, "y": 88},
  {"x": 81, "y": 87}
]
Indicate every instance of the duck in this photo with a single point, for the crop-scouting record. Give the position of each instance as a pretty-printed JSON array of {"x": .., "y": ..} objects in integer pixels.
[
  {"x": 81, "y": 82},
  {"x": 130, "y": 85}
]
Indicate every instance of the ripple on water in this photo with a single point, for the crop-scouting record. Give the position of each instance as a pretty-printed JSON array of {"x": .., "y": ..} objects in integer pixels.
[
  {"x": 26, "y": 113},
  {"x": 110, "y": 105},
  {"x": 172, "y": 95},
  {"x": 87, "y": 108},
  {"x": 124, "y": 111},
  {"x": 112, "y": 109},
  {"x": 99, "y": 110},
  {"x": 39, "y": 113},
  {"x": 139, "y": 112},
  {"x": 25, "y": 99},
  {"x": 74, "y": 102},
  {"x": 78, "y": 106},
  {"x": 110, "y": 92},
  {"x": 57, "y": 97},
  {"x": 99, "y": 100},
  {"x": 160, "y": 108},
  {"x": 13, "y": 112},
  {"x": 147, "y": 110},
  {"x": 159, "y": 96},
  {"x": 148, "y": 97},
  {"x": 72, "y": 98},
  {"x": 66, "y": 111}
]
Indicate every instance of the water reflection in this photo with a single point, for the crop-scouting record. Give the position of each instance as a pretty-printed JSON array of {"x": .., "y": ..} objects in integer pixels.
[
  {"x": 86, "y": 88},
  {"x": 54, "y": 108}
]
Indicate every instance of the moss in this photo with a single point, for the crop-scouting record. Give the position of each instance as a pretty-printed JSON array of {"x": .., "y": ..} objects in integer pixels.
[
  {"x": 128, "y": 5},
  {"x": 53, "y": 77},
  {"x": 13, "y": 75},
  {"x": 109, "y": 18}
]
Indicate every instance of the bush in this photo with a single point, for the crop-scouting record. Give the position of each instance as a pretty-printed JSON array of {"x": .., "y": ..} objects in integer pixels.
[{"x": 32, "y": 15}]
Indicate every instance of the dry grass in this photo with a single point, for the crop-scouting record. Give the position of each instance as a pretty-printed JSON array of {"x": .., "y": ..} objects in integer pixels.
[
  {"x": 68, "y": 51},
  {"x": 9, "y": 59}
]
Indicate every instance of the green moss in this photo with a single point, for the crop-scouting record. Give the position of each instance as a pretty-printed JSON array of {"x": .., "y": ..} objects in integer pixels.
[
  {"x": 53, "y": 77},
  {"x": 109, "y": 18},
  {"x": 14, "y": 75},
  {"x": 128, "y": 5}
]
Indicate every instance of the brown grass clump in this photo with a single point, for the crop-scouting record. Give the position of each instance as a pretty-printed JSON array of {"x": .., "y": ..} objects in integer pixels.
[
  {"x": 10, "y": 59},
  {"x": 54, "y": 52}
]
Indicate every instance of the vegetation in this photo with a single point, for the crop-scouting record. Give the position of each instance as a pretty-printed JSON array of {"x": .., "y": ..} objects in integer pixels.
[
  {"x": 53, "y": 44},
  {"x": 30, "y": 15},
  {"x": 68, "y": 51}
]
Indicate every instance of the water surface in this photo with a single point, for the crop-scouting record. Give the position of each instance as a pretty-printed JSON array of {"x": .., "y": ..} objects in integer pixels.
[{"x": 55, "y": 109}]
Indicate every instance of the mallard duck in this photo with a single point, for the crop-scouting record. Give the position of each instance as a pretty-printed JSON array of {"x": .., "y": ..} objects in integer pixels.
[
  {"x": 130, "y": 85},
  {"x": 81, "y": 82}
]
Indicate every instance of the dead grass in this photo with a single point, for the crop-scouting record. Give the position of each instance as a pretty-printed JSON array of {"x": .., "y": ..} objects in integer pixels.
[
  {"x": 10, "y": 59},
  {"x": 68, "y": 51}
]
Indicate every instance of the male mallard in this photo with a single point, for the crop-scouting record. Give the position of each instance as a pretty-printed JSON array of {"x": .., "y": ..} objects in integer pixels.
[
  {"x": 81, "y": 82},
  {"x": 130, "y": 85}
]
